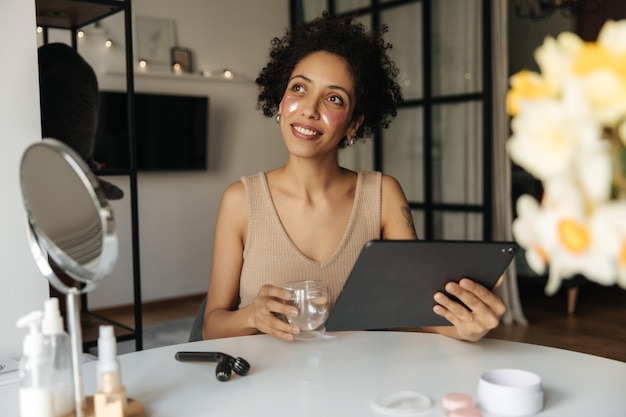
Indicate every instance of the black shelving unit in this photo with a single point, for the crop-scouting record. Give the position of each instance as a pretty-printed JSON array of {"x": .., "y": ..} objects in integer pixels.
[{"x": 72, "y": 15}]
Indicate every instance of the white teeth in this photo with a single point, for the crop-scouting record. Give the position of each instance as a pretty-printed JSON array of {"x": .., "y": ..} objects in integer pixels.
[{"x": 305, "y": 131}]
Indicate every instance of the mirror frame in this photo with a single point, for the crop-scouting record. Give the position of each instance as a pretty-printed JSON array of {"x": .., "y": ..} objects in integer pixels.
[{"x": 43, "y": 247}]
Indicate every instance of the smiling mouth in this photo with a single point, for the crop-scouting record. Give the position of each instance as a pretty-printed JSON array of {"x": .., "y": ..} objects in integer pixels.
[{"x": 306, "y": 132}]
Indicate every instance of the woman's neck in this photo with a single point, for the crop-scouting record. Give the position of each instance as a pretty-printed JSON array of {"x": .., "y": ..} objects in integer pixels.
[{"x": 310, "y": 177}]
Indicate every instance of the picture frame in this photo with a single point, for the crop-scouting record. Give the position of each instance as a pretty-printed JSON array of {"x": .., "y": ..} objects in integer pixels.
[
  {"x": 182, "y": 57},
  {"x": 155, "y": 39}
]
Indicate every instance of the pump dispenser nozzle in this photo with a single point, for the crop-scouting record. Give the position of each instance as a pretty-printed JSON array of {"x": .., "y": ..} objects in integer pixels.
[
  {"x": 52, "y": 321},
  {"x": 33, "y": 342},
  {"x": 107, "y": 351}
]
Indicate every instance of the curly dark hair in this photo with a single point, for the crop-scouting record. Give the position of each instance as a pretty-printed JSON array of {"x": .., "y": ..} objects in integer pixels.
[{"x": 377, "y": 92}]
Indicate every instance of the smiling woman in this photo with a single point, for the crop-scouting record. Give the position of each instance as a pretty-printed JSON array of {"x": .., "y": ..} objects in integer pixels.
[
  {"x": 325, "y": 98},
  {"x": 331, "y": 83}
]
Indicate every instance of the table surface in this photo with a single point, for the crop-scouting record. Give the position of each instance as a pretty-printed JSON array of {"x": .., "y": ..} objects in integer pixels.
[{"x": 341, "y": 374}]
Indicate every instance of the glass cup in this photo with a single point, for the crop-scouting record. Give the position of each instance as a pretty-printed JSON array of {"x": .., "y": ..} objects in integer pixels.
[{"x": 312, "y": 300}]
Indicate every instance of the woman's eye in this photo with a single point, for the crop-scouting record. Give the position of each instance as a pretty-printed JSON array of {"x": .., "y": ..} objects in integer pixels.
[
  {"x": 336, "y": 99},
  {"x": 297, "y": 88}
]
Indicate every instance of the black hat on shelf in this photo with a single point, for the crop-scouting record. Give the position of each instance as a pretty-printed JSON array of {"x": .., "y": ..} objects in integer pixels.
[{"x": 69, "y": 100}]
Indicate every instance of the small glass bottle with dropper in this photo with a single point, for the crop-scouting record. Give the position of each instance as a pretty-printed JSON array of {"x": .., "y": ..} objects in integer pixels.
[{"x": 110, "y": 400}]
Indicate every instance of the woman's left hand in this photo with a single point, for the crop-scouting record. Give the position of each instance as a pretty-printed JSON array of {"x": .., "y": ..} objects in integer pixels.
[{"x": 486, "y": 309}]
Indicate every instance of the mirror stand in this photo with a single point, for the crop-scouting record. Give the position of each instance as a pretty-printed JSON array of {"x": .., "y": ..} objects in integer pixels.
[
  {"x": 76, "y": 340},
  {"x": 70, "y": 226}
]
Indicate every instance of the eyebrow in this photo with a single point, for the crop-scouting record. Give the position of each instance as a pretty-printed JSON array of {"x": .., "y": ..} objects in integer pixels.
[{"x": 334, "y": 87}]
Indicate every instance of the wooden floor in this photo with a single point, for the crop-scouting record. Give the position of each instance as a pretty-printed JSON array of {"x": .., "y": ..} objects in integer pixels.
[{"x": 597, "y": 327}]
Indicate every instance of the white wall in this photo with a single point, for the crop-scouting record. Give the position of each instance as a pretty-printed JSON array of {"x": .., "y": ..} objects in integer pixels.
[
  {"x": 22, "y": 287},
  {"x": 177, "y": 211}
]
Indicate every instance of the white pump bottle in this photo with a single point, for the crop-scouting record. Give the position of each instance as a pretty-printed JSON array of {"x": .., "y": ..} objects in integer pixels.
[
  {"x": 58, "y": 343},
  {"x": 35, "y": 383}
]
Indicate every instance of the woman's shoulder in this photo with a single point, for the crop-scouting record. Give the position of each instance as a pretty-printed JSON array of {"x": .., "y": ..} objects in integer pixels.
[
  {"x": 386, "y": 180},
  {"x": 234, "y": 194}
]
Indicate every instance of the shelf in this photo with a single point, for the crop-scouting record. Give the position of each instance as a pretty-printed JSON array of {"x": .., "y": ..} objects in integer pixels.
[
  {"x": 182, "y": 76},
  {"x": 72, "y": 14}
]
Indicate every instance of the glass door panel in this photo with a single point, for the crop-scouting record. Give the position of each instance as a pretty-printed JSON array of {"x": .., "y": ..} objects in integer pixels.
[
  {"x": 403, "y": 152},
  {"x": 456, "y": 47},
  {"x": 449, "y": 225},
  {"x": 418, "y": 220},
  {"x": 457, "y": 153},
  {"x": 406, "y": 37},
  {"x": 344, "y": 6}
]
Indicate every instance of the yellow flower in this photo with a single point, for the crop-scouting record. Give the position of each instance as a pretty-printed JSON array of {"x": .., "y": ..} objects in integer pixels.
[
  {"x": 602, "y": 69},
  {"x": 603, "y": 76},
  {"x": 574, "y": 236},
  {"x": 525, "y": 85}
]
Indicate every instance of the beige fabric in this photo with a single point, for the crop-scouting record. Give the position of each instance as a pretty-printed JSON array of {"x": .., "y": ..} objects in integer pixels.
[
  {"x": 270, "y": 256},
  {"x": 502, "y": 219}
]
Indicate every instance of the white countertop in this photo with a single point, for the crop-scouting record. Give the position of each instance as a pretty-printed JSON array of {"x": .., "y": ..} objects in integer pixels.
[{"x": 341, "y": 375}]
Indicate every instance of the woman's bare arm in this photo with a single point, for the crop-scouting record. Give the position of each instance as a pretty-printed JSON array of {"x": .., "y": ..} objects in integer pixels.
[{"x": 221, "y": 317}]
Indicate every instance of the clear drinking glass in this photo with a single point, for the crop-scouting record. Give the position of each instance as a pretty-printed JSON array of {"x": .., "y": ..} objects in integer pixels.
[{"x": 311, "y": 298}]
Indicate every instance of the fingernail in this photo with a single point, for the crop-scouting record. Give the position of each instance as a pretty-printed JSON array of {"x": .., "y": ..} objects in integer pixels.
[
  {"x": 465, "y": 283},
  {"x": 293, "y": 312}
]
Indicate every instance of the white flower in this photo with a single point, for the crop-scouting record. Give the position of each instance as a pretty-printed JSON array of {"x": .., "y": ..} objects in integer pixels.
[
  {"x": 552, "y": 137},
  {"x": 555, "y": 58},
  {"x": 569, "y": 128},
  {"x": 610, "y": 223},
  {"x": 524, "y": 230},
  {"x": 613, "y": 36}
]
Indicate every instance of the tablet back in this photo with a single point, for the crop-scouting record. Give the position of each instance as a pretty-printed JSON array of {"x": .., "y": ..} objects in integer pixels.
[{"x": 393, "y": 281}]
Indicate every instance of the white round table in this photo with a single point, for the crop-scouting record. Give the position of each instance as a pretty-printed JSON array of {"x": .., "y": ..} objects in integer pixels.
[{"x": 341, "y": 374}]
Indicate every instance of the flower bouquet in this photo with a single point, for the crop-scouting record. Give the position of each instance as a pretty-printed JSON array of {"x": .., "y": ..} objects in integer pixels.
[{"x": 569, "y": 131}]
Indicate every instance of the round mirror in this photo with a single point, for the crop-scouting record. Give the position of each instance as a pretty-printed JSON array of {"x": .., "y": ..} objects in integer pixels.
[{"x": 70, "y": 222}]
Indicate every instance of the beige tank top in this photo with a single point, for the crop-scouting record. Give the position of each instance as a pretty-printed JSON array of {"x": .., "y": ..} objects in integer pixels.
[{"x": 270, "y": 257}]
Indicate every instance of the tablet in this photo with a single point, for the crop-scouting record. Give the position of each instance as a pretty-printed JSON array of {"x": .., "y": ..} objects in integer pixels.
[{"x": 393, "y": 282}]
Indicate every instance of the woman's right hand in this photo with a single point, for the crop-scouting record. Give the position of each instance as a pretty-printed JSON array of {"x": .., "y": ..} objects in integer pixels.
[{"x": 269, "y": 305}]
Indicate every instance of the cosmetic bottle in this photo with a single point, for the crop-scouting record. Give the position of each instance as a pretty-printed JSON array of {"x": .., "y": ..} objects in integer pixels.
[
  {"x": 58, "y": 344},
  {"x": 110, "y": 400},
  {"x": 35, "y": 383}
]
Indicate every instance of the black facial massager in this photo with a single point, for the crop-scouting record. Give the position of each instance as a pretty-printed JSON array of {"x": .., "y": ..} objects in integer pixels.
[{"x": 225, "y": 363}]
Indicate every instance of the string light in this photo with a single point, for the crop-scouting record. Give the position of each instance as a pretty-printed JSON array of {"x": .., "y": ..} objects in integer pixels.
[{"x": 177, "y": 68}]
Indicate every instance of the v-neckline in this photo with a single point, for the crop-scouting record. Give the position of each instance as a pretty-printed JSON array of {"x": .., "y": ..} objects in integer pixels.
[{"x": 346, "y": 233}]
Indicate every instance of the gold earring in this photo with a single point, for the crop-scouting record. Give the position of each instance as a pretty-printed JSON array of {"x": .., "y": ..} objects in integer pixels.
[{"x": 352, "y": 141}]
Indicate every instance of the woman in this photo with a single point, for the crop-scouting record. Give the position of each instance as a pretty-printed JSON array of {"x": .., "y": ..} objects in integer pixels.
[{"x": 328, "y": 83}]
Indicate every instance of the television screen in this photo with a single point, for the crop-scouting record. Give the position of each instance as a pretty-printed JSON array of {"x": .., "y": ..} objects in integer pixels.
[{"x": 171, "y": 132}]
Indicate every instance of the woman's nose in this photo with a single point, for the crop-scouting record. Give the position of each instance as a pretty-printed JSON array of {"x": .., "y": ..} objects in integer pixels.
[{"x": 310, "y": 108}]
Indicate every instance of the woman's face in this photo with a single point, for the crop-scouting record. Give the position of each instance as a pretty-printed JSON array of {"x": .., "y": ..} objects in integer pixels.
[{"x": 316, "y": 109}]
